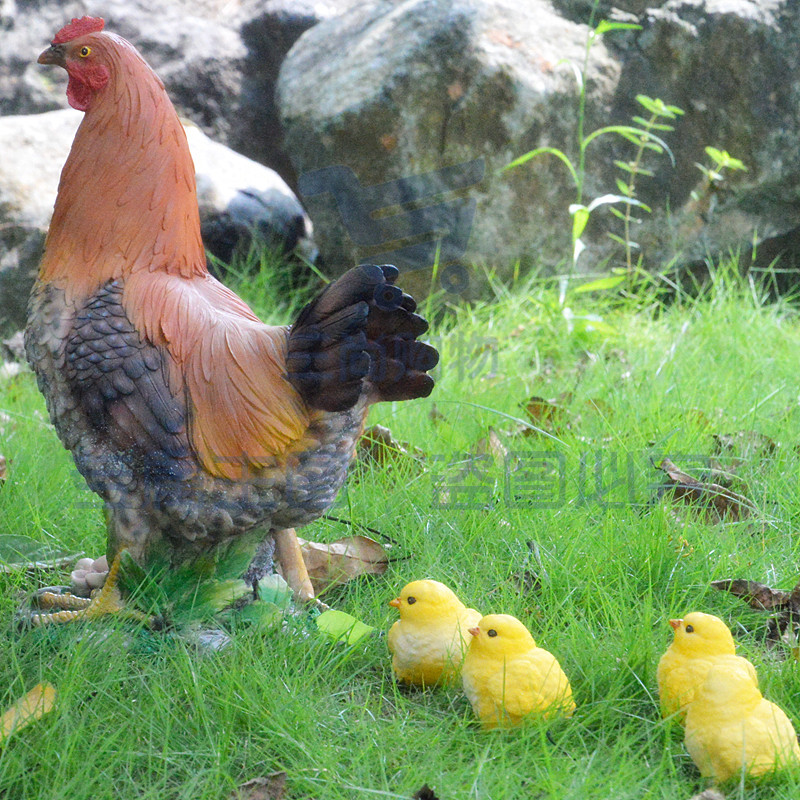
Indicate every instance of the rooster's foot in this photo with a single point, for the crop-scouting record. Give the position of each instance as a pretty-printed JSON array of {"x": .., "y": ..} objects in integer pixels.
[{"x": 58, "y": 607}]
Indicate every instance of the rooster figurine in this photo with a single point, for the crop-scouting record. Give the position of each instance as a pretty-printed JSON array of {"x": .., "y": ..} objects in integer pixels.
[{"x": 206, "y": 432}]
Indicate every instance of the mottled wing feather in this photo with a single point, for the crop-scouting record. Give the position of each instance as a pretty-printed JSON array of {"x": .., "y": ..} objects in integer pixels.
[{"x": 121, "y": 382}]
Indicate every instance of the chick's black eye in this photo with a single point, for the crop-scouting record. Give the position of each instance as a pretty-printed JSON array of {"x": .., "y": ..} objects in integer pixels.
[
  {"x": 491, "y": 632},
  {"x": 411, "y": 600},
  {"x": 689, "y": 629}
]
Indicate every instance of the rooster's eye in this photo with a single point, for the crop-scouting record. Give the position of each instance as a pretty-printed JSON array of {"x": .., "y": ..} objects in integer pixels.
[
  {"x": 411, "y": 600},
  {"x": 689, "y": 629},
  {"x": 85, "y": 51}
]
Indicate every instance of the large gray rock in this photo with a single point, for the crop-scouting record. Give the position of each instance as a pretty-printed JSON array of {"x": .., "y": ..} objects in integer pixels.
[
  {"x": 728, "y": 64},
  {"x": 398, "y": 116},
  {"x": 378, "y": 102},
  {"x": 237, "y": 197}
]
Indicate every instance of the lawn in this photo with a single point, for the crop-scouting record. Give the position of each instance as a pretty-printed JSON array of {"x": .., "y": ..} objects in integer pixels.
[{"x": 549, "y": 512}]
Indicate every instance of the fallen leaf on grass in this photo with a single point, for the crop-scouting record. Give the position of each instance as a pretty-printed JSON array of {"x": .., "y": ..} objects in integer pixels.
[
  {"x": 377, "y": 444},
  {"x": 713, "y": 498},
  {"x": 271, "y": 787},
  {"x": 33, "y": 706},
  {"x": 546, "y": 414},
  {"x": 19, "y": 552},
  {"x": 492, "y": 445},
  {"x": 761, "y": 597},
  {"x": 342, "y": 627},
  {"x": 343, "y": 560},
  {"x": 746, "y": 445}
]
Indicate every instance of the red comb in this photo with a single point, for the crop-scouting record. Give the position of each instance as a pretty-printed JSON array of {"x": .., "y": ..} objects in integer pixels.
[{"x": 79, "y": 27}]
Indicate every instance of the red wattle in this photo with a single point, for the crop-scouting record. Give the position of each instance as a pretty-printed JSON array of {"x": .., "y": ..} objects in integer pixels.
[{"x": 78, "y": 94}]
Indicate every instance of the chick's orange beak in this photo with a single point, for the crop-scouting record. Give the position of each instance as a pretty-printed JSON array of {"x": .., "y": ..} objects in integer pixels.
[
  {"x": 675, "y": 623},
  {"x": 474, "y": 631},
  {"x": 396, "y": 602},
  {"x": 55, "y": 54}
]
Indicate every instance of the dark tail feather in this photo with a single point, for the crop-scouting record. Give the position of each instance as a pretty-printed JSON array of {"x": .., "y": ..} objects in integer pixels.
[{"x": 361, "y": 328}]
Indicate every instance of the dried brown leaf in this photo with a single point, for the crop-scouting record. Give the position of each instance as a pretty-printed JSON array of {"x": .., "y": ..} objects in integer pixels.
[
  {"x": 713, "y": 498},
  {"x": 492, "y": 445},
  {"x": 756, "y": 595},
  {"x": 748, "y": 445},
  {"x": 546, "y": 414},
  {"x": 785, "y": 605},
  {"x": 377, "y": 444},
  {"x": 271, "y": 787},
  {"x": 343, "y": 560}
]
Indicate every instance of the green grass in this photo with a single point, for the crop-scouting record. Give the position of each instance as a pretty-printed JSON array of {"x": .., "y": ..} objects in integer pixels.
[{"x": 147, "y": 716}]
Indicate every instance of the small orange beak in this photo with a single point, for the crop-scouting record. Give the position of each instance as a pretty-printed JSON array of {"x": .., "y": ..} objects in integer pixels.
[
  {"x": 675, "y": 623},
  {"x": 474, "y": 631},
  {"x": 396, "y": 602}
]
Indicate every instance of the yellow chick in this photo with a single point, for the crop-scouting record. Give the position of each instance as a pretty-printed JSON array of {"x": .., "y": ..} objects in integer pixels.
[
  {"x": 506, "y": 676},
  {"x": 730, "y": 727},
  {"x": 429, "y": 640},
  {"x": 700, "y": 641}
]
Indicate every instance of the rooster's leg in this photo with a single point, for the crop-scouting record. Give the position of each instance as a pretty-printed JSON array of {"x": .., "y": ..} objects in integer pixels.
[
  {"x": 68, "y": 607},
  {"x": 289, "y": 556}
]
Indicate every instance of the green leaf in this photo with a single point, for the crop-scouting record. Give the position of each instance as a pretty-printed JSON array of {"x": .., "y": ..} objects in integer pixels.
[
  {"x": 212, "y": 595},
  {"x": 606, "y": 26},
  {"x": 580, "y": 218},
  {"x": 723, "y": 159},
  {"x": 624, "y": 188},
  {"x": 601, "y": 284},
  {"x": 619, "y": 240},
  {"x": 553, "y": 151},
  {"x": 590, "y": 323},
  {"x": 658, "y": 107},
  {"x": 261, "y": 616},
  {"x": 342, "y": 627},
  {"x": 274, "y": 589},
  {"x": 661, "y": 126},
  {"x": 19, "y": 552}
]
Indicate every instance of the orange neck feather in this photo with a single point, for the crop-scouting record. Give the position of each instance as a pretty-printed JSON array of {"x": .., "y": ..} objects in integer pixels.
[{"x": 126, "y": 201}]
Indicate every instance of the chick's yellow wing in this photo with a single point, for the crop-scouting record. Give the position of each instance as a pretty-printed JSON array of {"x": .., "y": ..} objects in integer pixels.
[
  {"x": 534, "y": 683},
  {"x": 679, "y": 677}
]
